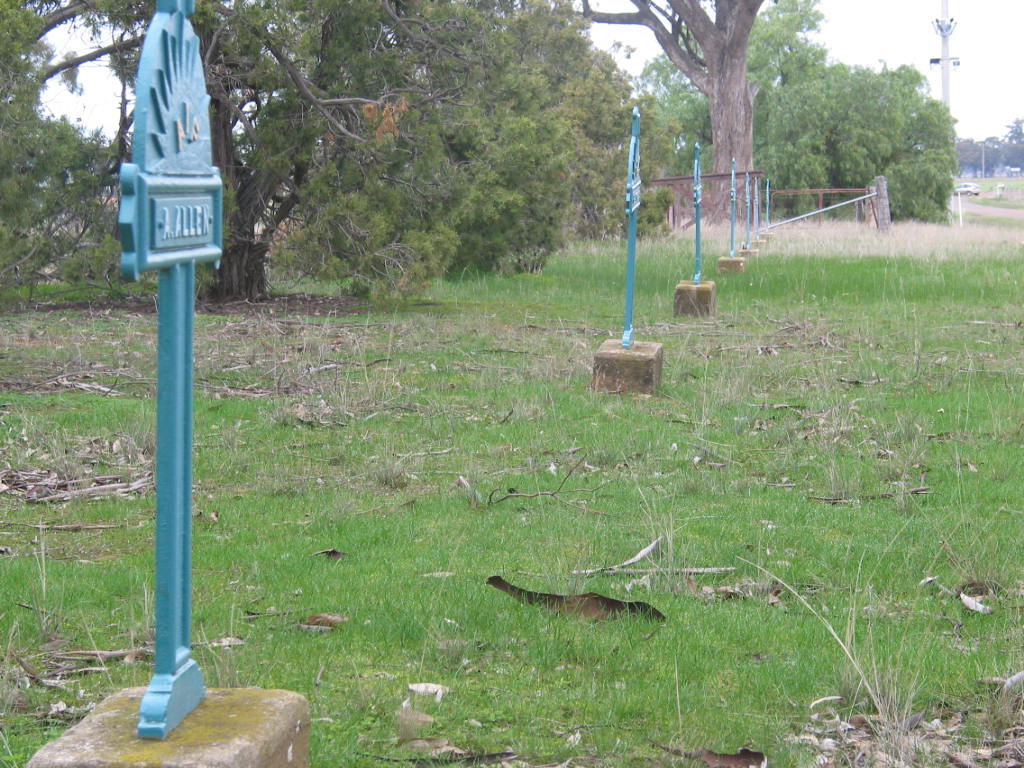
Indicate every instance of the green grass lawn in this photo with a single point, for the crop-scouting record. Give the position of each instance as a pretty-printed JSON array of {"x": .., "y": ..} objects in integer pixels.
[{"x": 847, "y": 426}]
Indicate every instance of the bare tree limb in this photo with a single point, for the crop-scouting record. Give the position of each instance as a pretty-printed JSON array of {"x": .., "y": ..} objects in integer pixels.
[
  {"x": 67, "y": 13},
  {"x": 305, "y": 90},
  {"x": 93, "y": 55}
]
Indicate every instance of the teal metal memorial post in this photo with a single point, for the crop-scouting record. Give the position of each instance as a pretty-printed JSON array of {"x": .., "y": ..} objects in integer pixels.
[
  {"x": 632, "y": 204},
  {"x": 734, "y": 262},
  {"x": 624, "y": 366},
  {"x": 170, "y": 218},
  {"x": 698, "y": 198},
  {"x": 696, "y": 297},
  {"x": 746, "y": 195},
  {"x": 732, "y": 210}
]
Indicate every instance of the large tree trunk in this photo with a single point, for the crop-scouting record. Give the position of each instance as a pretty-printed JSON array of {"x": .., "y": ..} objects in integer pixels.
[
  {"x": 731, "y": 103},
  {"x": 242, "y": 273},
  {"x": 712, "y": 53}
]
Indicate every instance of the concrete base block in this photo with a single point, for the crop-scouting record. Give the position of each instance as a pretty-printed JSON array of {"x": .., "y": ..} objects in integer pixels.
[
  {"x": 232, "y": 728},
  {"x": 621, "y": 371},
  {"x": 747, "y": 253},
  {"x": 732, "y": 264},
  {"x": 696, "y": 299}
]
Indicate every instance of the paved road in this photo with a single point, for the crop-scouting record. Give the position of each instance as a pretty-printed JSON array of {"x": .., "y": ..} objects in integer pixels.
[{"x": 977, "y": 209}]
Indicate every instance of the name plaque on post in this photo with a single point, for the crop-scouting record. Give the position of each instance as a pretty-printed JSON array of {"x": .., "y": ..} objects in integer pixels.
[{"x": 171, "y": 217}]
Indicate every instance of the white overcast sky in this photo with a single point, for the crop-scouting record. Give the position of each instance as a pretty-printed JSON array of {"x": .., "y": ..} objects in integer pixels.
[{"x": 985, "y": 91}]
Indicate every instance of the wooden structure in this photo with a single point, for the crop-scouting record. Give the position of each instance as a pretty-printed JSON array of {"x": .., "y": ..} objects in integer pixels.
[{"x": 715, "y": 201}]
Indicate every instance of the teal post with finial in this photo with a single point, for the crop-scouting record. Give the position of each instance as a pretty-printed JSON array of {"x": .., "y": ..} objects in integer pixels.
[
  {"x": 632, "y": 204},
  {"x": 171, "y": 217},
  {"x": 732, "y": 210},
  {"x": 746, "y": 194},
  {"x": 698, "y": 197}
]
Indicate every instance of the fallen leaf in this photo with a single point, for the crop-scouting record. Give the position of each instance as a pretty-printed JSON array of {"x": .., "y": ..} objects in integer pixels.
[
  {"x": 410, "y": 723},
  {"x": 745, "y": 758},
  {"x": 331, "y": 554},
  {"x": 225, "y": 642},
  {"x": 435, "y": 745},
  {"x": 589, "y": 605},
  {"x": 910, "y": 723},
  {"x": 974, "y": 605},
  {"x": 429, "y": 689},
  {"x": 323, "y": 621}
]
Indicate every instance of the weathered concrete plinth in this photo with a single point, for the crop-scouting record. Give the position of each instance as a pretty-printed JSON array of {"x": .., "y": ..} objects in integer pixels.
[
  {"x": 696, "y": 299},
  {"x": 759, "y": 244},
  {"x": 747, "y": 253},
  {"x": 621, "y": 371},
  {"x": 232, "y": 728},
  {"x": 732, "y": 264}
]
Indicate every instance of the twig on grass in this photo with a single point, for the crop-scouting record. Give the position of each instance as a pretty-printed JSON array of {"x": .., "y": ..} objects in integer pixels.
[
  {"x": 555, "y": 494},
  {"x": 126, "y": 653},
  {"x": 647, "y": 551},
  {"x": 696, "y": 571},
  {"x": 64, "y": 526},
  {"x": 423, "y": 453},
  {"x": 919, "y": 491}
]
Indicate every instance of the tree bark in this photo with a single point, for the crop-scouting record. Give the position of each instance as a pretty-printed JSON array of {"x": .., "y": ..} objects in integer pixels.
[{"x": 242, "y": 273}]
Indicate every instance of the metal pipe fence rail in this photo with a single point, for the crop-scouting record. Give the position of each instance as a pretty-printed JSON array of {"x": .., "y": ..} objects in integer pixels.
[
  {"x": 821, "y": 210},
  {"x": 872, "y": 203}
]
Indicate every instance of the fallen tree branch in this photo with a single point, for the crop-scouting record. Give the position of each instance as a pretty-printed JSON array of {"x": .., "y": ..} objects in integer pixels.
[{"x": 697, "y": 571}]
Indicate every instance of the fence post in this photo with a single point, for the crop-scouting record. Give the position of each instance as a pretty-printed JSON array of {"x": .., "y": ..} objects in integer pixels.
[
  {"x": 732, "y": 210},
  {"x": 732, "y": 262},
  {"x": 632, "y": 204},
  {"x": 696, "y": 297},
  {"x": 746, "y": 193},
  {"x": 883, "y": 214},
  {"x": 698, "y": 197}
]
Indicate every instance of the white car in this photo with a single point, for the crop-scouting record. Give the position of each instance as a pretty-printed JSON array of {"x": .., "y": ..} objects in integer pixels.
[{"x": 967, "y": 188}]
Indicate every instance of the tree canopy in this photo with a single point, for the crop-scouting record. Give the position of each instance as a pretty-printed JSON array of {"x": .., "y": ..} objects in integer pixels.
[
  {"x": 381, "y": 142},
  {"x": 826, "y": 125},
  {"x": 54, "y": 182}
]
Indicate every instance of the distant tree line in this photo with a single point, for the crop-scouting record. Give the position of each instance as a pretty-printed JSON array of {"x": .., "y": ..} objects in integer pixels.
[
  {"x": 820, "y": 124},
  {"x": 994, "y": 156},
  {"x": 381, "y": 143}
]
